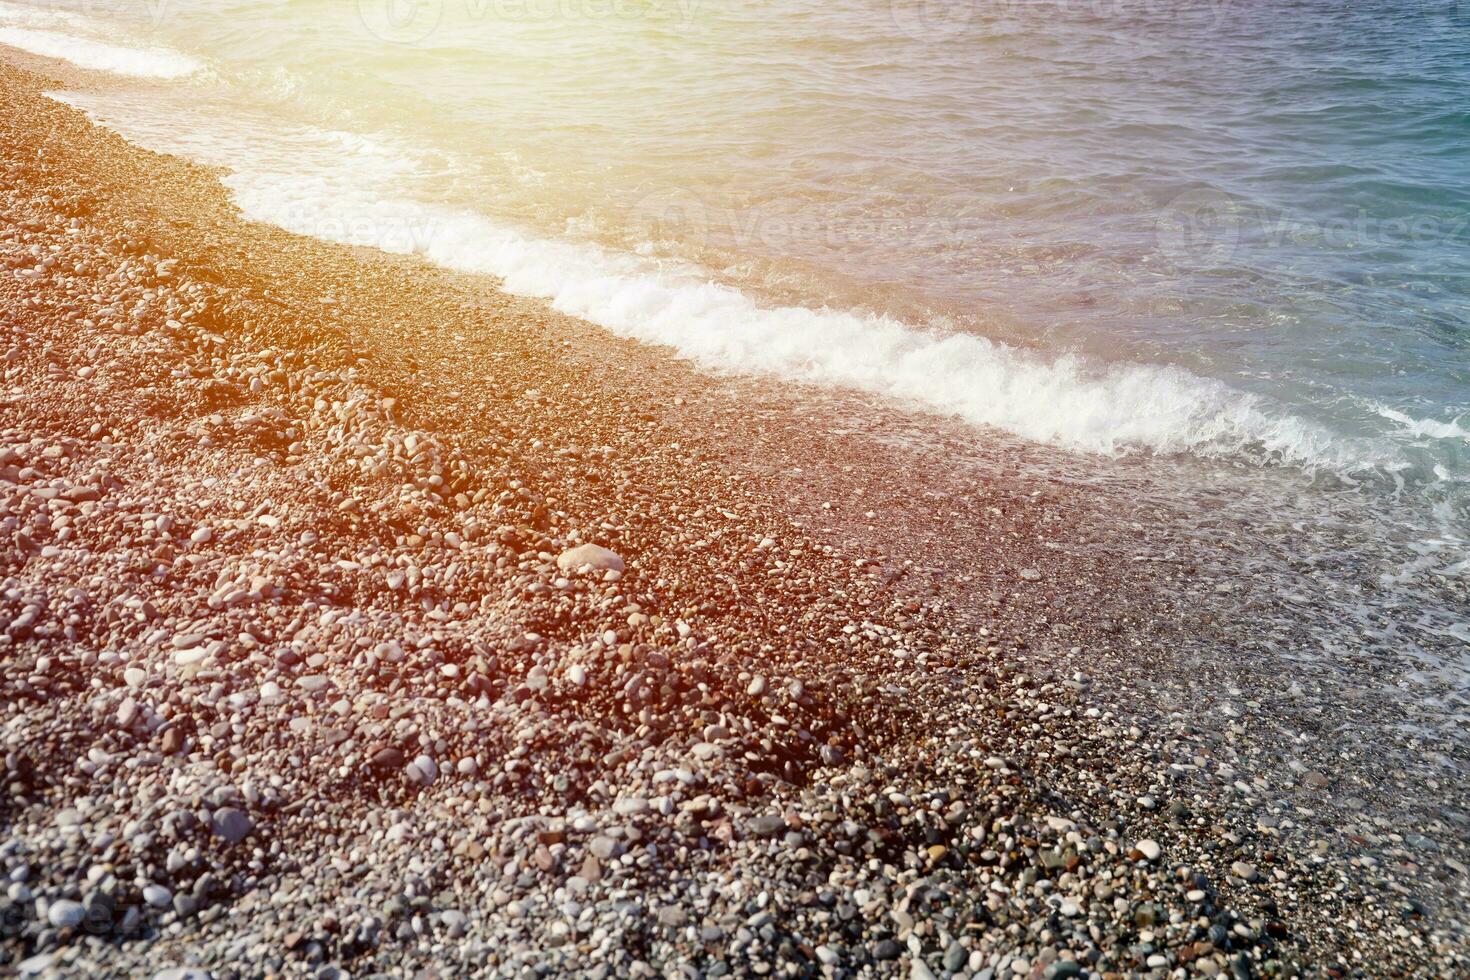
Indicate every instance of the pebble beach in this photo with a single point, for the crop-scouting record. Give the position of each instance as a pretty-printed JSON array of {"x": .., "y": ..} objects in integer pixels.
[{"x": 358, "y": 619}]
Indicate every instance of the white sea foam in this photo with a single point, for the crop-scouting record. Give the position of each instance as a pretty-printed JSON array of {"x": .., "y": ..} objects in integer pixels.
[
  {"x": 41, "y": 16},
  {"x": 152, "y": 62},
  {"x": 1425, "y": 428},
  {"x": 71, "y": 37},
  {"x": 348, "y": 188},
  {"x": 1062, "y": 401}
]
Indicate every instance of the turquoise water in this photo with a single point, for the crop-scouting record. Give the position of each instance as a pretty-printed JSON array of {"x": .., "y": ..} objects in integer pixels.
[{"x": 1224, "y": 229}]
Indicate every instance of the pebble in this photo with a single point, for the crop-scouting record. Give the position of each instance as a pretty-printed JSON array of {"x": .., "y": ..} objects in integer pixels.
[
  {"x": 36, "y": 965},
  {"x": 423, "y": 770},
  {"x": 767, "y": 825},
  {"x": 65, "y": 914},
  {"x": 192, "y": 655},
  {"x": 1243, "y": 870},
  {"x": 232, "y": 824},
  {"x": 455, "y": 923},
  {"x": 955, "y": 957},
  {"x": 627, "y": 806},
  {"x": 589, "y": 556}
]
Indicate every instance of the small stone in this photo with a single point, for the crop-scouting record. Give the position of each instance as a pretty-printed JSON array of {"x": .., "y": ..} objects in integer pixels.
[
  {"x": 65, "y": 914},
  {"x": 1241, "y": 869},
  {"x": 231, "y": 824},
  {"x": 173, "y": 740},
  {"x": 385, "y": 757},
  {"x": 589, "y": 556},
  {"x": 423, "y": 770},
  {"x": 591, "y": 870},
  {"x": 628, "y": 806},
  {"x": 190, "y": 656},
  {"x": 157, "y": 896},
  {"x": 767, "y": 825},
  {"x": 1148, "y": 849},
  {"x": 955, "y": 957},
  {"x": 36, "y": 965},
  {"x": 455, "y": 922}
]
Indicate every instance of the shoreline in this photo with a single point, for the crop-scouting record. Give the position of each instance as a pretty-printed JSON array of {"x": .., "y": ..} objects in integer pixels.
[{"x": 807, "y": 720}]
